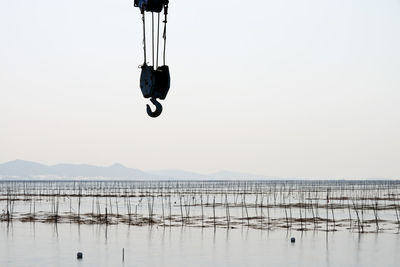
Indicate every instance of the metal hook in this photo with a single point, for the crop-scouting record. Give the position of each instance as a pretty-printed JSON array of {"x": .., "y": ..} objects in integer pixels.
[{"x": 158, "y": 110}]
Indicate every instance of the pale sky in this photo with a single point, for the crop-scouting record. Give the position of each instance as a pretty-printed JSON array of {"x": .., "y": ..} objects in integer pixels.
[{"x": 282, "y": 88}]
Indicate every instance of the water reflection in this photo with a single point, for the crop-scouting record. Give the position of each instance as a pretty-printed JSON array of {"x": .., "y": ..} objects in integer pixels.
[
  {"x": 55, "y": 228},
  {"x": 188, "y": 246},
  {"x": 327, "y": 261}
]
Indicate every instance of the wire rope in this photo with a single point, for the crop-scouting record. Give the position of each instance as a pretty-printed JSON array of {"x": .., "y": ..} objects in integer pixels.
[
  {"x": 158, "y": 37},
  {"x": 152, "y": 35},
  {"x": 144, "y": 36}
]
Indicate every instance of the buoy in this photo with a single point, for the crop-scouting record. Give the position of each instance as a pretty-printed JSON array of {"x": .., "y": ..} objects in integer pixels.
[
  {"x": 79, "y": 255},
  {"x": 292, "y": 240}
]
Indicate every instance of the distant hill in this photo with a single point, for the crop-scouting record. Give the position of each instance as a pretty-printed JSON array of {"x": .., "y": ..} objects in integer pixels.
[
  {"x": 21, "y": 169},
  {"x": 180, "y": 175},
  {"x": 228, "y": 175}
]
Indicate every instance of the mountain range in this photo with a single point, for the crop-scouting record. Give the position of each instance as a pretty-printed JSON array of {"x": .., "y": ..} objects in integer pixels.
[{"x": 28, "y": 170}]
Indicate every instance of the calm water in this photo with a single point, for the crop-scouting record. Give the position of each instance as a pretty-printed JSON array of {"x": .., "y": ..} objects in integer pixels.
[
  {"x": 365, "y": 206},
  {"x": 41, "y": 244},
  {"x": 112, "y": 216}
]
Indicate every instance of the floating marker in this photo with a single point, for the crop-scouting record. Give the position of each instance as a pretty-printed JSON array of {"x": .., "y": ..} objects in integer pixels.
[{"x": 79, "y": 255}]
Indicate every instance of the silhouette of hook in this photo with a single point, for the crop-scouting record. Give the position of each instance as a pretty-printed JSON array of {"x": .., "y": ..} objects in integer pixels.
[{"x": 158, "y": 110}]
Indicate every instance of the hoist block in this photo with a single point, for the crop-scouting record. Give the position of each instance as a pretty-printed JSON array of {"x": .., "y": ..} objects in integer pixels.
[
  {"x": 163, "y": 82},
  {"x": 147, "y": 81},
  {"x": 155, "y": 83},
  {"x": 151, "y": 5}
]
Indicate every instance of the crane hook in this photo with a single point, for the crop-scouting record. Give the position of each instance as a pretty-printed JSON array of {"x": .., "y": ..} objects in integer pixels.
[{"x": 158, "y": 110}]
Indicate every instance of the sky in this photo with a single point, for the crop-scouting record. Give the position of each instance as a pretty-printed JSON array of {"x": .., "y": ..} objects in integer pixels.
[{"x": 291, "y": 89}]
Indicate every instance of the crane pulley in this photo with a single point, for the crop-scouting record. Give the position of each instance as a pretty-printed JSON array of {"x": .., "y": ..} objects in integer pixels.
[{"x": 155, "y": 80}]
